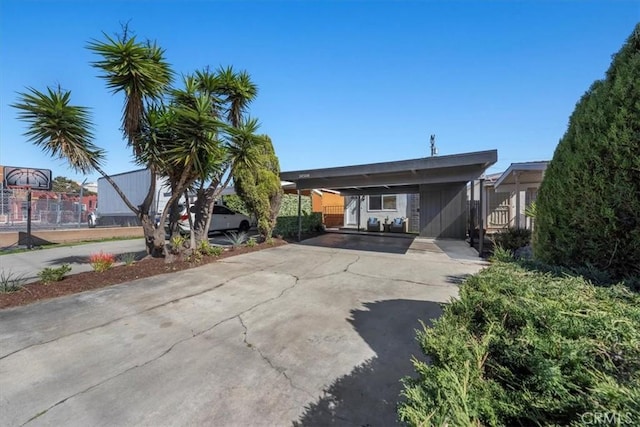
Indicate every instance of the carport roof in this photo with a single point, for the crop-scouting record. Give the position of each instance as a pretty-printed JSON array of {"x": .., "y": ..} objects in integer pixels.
[
  {"x": 403, "y": 176},
  {"x": 528, "y": 173}
]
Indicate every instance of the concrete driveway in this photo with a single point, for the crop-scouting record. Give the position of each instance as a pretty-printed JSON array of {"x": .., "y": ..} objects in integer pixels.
[{"x": 296, "y": 335}]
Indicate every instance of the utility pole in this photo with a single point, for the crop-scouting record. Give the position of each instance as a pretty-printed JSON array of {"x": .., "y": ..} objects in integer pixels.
[{"x": 434, "y": 149}]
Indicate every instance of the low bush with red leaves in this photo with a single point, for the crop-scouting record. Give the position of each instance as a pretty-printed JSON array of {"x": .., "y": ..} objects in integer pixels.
[{"x": 102, "y": 261}]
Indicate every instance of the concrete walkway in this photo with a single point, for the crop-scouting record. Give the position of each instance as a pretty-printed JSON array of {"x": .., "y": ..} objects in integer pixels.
[{"x": 300, "y": 334}]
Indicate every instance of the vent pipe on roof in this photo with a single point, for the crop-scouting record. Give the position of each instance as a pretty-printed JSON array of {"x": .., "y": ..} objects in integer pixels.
[{"x": 434, "y": 149}]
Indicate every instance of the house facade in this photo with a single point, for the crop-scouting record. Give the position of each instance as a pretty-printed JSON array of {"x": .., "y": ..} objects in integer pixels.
[
  {"x": 508, "y": 194},
  {"x": 383, "y": 207},
  {"x": 329, "y": 203}
]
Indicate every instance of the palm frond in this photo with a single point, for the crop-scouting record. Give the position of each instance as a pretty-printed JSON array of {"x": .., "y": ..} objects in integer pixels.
[
  {"x": 196, "y": 142},
  {"x": 139, "y": 70},
  {"x": 238, "y": 92},
  {"x": 61, "y": 130},
  {"x": 244, "y": 145}
]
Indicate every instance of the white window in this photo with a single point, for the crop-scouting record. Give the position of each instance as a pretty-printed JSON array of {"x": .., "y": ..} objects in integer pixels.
[{"x": 382, "y": 203}]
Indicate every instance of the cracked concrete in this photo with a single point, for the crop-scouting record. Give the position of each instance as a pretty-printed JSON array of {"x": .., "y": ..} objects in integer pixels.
[{"x": 303, "y": 334}]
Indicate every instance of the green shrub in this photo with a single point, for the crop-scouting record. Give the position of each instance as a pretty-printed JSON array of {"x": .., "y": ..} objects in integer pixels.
[
  {"x": 53, "y": 274},
  {"x": 195, "y": 257},
  {"x": 522, "y": 347},
  {"x": 205, "y": 248},
  {"x": 251, "y": 242},
  {"x": 216, "y": 251},
  {"x": 258, "y": 182},
  {"x": 512, "y": 239},
  {"x": 588, "y": 206},
  {"x": 236, "y": 204},
  {"x": 11, "y": 282},
  {"x": 289, "y": 205},
  {"x": 288, "y": 225},
  {"x": 177, "y": 244},
  {"x": 501, "y": 254}
]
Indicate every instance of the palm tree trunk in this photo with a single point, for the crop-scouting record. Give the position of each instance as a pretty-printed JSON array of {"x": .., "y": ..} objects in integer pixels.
[
  {"x": 203, "y": 208},
  {"x": 154, "y": 241}
]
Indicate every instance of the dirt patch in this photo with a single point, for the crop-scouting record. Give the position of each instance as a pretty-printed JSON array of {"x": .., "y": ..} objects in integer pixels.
[{"x": 147, "y": 267}]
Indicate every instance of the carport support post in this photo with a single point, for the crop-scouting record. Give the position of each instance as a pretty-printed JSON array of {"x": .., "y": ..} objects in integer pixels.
[
  {"x": 299, "y": 216},
  {"x": 472, "y": 223},
  {"x": 481, "y": 218},
  {"x": 515, "y": 174},
  {"x": 358, "y": 207}
]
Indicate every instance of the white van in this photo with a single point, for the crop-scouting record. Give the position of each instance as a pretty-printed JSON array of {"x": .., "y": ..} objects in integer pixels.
[{"x": 222, "y": 219}]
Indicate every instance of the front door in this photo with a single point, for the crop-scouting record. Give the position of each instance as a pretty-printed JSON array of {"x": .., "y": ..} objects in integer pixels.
[{"x": 352, "y": 210}]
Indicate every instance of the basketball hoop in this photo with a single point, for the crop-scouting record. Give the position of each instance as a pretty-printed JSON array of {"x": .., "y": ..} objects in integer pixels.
[{"x": 29, "y": 178}]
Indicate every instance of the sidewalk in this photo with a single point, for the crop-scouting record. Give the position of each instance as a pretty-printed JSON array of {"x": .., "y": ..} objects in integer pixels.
[{"x": 28, "y": 264}]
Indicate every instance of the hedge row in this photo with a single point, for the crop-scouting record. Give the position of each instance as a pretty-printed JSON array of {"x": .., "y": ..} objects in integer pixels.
[
  {"x": 588, "y": 207},
  {"x": 528, "y": 348},
  {"x": 289, "y": 205},
  {"x": 287, "y": 226}
]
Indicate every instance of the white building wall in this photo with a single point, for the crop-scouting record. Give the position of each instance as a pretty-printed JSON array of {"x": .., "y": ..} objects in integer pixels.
[
  {"x": 366, "y": 212},
  {"x": 134, "y": 185}
]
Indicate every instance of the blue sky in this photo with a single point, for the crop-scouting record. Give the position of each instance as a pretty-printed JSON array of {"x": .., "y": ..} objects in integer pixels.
[{"x": 340, "y": 82}]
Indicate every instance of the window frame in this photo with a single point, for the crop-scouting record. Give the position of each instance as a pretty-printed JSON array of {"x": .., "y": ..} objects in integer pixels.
[{"x": 382, "y": 197}]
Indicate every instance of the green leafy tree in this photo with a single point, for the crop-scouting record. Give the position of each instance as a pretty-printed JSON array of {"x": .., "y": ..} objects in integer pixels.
[
  {"x": 588, "y": 208},
  {"x": 62, "y": 184},
  {"x": 235, "y": 203},
  {"x": 257, "y": 178}
]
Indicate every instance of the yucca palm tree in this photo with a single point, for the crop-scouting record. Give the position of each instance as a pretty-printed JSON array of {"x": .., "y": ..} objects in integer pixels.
[
  {"x": 231, "y": 92},
  {"x": 181, "y": 139},
  {"x": 60, "y": 129},
  {"x": 140, "y": 71},
  {"x": 244, "y": 145},
  {"x": 237, "y": 91},
  {"x": 63, "y": 131}
]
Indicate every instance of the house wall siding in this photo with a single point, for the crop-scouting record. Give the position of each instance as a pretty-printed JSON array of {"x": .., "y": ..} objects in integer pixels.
[
  {"x": 443, "y": 211},
  {"x": 399, "y": 211}
]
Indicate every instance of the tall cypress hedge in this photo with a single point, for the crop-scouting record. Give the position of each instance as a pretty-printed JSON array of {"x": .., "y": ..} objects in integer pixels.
[{"x": 589, "y": 201}]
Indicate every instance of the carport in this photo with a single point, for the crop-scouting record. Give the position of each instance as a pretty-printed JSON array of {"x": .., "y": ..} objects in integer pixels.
[{"x": 441, "y": 182}]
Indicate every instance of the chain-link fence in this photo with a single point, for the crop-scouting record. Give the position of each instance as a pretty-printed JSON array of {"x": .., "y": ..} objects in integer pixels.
[{"x": 48, "y": 208}]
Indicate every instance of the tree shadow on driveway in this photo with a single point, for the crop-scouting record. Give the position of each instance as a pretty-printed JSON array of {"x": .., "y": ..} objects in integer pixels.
[
  {"x": 368, "y": 395},
  {"x": 84, "y": 259}
]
